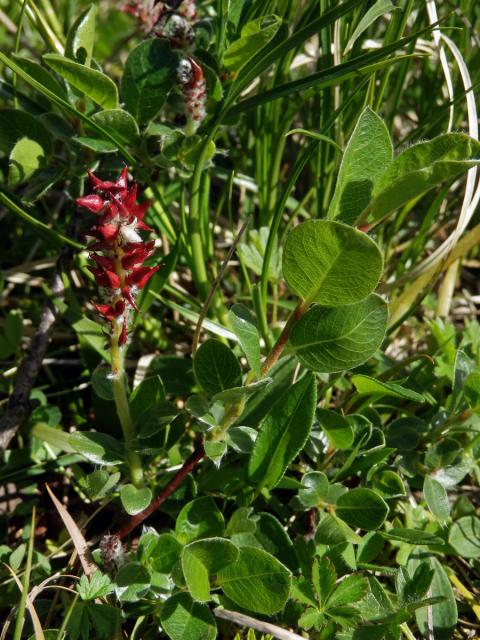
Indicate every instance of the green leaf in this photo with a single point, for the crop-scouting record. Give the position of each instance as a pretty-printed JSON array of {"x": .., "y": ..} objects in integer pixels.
[
  {"x": 99, "y": 483},
  {"x": 256, "y": 581},
  {"x": 81, "y": 37},
  {"x": 255, "y": 35},
  {"x": 404, "y": 433},
  {"x": 464, "y": 536},
  {"x": 97, "y": 586},
  {"x": 315, "y": 489},
  {"x": 241, "y": 439},
  {"x": 42, "y": 75},
  {"x": 216, "y": 367},
  {"x": 324, "y": 577},
  {"x": 378, "y": 9},
  {"x": 132, "y": 582},
  {"x": 330, "y": 263},
  {"x": 337, "y": 428},
  {"x": 412, "y": 536},
  {"x": 388, "y": 484},
  {"x": 236, "y": 394},
  {"x": 351, "y": 589},
  {"x": 150, "y": 393},
  {"x": 99, "y": 448},
  {"x": 362, "y": 508},
  {"x": 65, "y": 106},
  {"x": 370, "y": 547},
  {"x": 105, "y": 619},
  {"x": 329, "y": 339},
  {"x": 94, "y": 144},
  {"x": 436, "y": 498},
  {"x": 244, "y": 327},
  {"x": 94, "y": 84},
  {"x": 199, "y": 518},
  {"x": 368, "y": 154},
  {"x": 150, "y": 73},
  {"x": 366, "y": 385},
  {"x": 119, "y": 123},
  {"x": 215, "y": 450},
  {"x": 283, "y": 433},
  {"x": 159, "y": 552},
  {"x": 416, "y": 587},
  {"x": 102, "y": 382},
  {"x": 331, "y": 531},
  {"x": 91, "y": 333},
  {"x": 253, "y": 253},
  {"x": 202, "y": 559},
  {"x": 421, "y": 168},
  {"x": 16, "y": 124},
  {"x": 184, "y": 619},
  {"x": 442, "y": 618},
  {"x": 135, "y": 500}
]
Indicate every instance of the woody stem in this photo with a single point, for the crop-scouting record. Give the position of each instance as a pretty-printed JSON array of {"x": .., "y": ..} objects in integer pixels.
[{"x": 123, "y": 410}]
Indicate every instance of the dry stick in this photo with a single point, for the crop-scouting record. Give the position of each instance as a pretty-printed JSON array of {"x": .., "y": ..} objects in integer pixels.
[
  {"x": 188, "y": 466},
  {"x": 216, "y": 282},
  {"x": 20, "y": 406},
  {"x": 259, "y": 625}
]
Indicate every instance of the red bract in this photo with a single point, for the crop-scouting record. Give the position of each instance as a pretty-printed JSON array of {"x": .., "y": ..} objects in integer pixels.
[{"x": 119, "y": 251}]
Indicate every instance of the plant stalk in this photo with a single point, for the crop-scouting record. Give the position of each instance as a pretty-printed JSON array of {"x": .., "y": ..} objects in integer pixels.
[
  {"x": 123, "y": 410},
  {"x": 26, "y": 581}
]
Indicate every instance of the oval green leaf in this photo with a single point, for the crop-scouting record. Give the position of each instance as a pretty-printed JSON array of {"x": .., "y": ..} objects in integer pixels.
[
  {"x": 199, "y": 518},
  {"x": 368, "y": 154},
  {"x": 283, "y": 433},
  {"x": 464, "y": 536},
  {"x": 81, "y": 37},
  {"x": 94, "y": 84},
  {"x": 245, "y": 328},
  {"x": 256, "y": 581},
  {"x": 184, "y": 619},
  {"x": 26, "y": 158},
  {"x": 99, "y": 448},
  {"x": 366, "y": 385},
  {"x": 436, "y": 498},
  {"x": 331, "y": 263},
  {"x": 150, "y": 73},
  {"x": 362, "y": 508},
  {"x": 329, "y": 339},
  {"x": 420, "y": 168},
  {"x": 119, "y": 123},
  {"x": 339, "y": 431},
  {"x": 135, "y": 500},
  {"x": 216, "y": 367},
  {"x": 202, "y": 559}
]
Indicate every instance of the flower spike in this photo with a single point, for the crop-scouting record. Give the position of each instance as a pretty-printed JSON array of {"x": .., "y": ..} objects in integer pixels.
[{"x": 119, "y": 251}]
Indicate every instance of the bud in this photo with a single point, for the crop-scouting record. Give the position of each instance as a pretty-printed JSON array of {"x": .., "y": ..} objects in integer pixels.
[
  {"x": 192, "y": 82},
  {"x": 113, "y": 554},
  {"x": 119, "y": 252}
]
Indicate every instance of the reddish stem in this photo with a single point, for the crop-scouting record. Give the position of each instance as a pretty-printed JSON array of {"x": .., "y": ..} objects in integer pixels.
[
  {"x": 278, "y": 347},
  {"x": 190, "y": 463}
]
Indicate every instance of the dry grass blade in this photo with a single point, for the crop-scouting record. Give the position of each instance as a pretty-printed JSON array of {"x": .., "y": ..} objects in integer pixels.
[
  {"x": 259, "y": 625},
  {"x": 78, "y": 540},
  {"x": 37, "y": 626}
]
